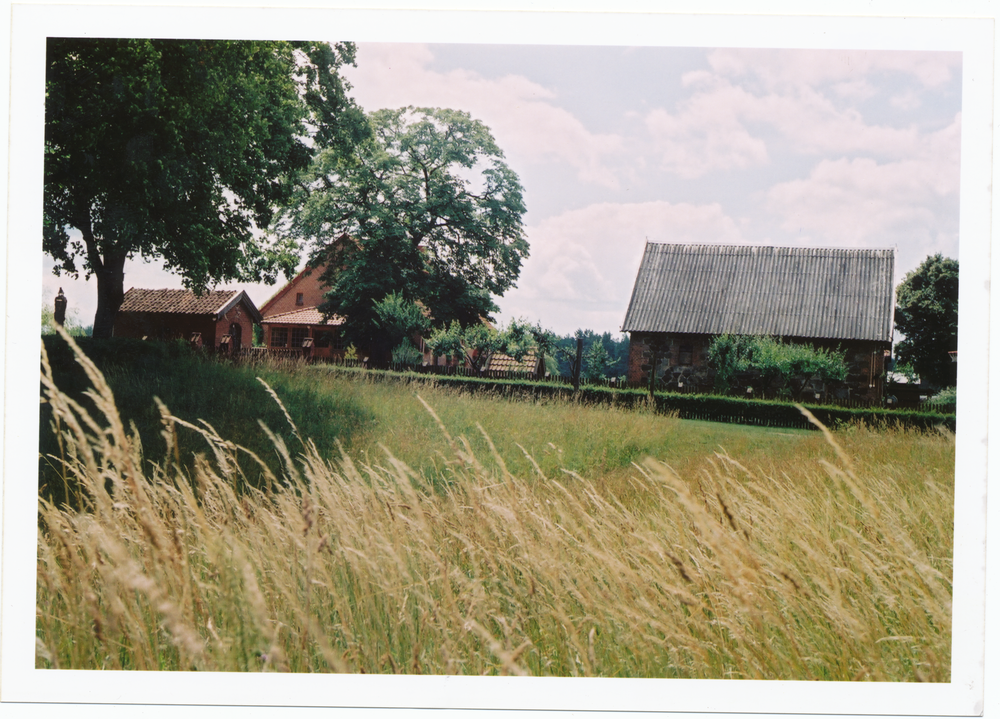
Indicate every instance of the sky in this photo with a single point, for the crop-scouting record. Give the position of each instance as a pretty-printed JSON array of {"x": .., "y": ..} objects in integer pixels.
[{"x": 619, "y": 146}]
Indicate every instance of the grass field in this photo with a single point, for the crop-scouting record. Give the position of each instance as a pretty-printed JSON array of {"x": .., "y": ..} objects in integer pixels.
[{"x": 469, "y": 535}]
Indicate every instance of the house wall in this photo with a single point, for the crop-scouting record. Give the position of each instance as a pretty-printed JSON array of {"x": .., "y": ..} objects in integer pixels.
[
  {"x": 167, "y": 326},
  {"x": 237, "y": 315},
  {"x": 312, "y": 331},
  {"x": 284, "y": 301},
  {"x": 865, "y": 362}
]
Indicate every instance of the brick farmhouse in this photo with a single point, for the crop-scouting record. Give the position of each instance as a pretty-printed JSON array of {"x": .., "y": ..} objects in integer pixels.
[
  {"x": 292, "y": 319},
  {"x": 685, "y": 295},
  {"x": 218, "y": 319},
  {"x": 292, "y": 316}
]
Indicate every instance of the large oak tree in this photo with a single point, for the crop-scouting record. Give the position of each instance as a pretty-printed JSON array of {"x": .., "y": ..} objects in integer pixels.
[
  {"x": 426, "y": 210},
  {"x": 181, "y": 150}
]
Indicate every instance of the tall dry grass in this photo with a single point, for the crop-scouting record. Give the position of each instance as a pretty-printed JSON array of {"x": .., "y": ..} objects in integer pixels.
[{"x": 833, "y": 572}]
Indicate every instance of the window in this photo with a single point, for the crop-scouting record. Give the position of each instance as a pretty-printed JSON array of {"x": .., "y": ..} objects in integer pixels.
[
  {"x": 330, "y": 338},
  {"x": 298, "y": 299},
  {"x": 299, "y": 334},
  {"x": 236, "y": 332},
  {"x": 279, "y": 336},
  {"x": 684, "y": 355}
]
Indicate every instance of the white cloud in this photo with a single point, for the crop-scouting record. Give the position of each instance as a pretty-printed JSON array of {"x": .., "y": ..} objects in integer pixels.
[
  {"x": 907, "y": 100},
  {"x": 521, "y": 114},
  {"x": 781, "y": 68},
  {"x": 707, "y": 134},
  {"x": 755, "y": 97},
  {"x": 583, "y": 262},
  {"x": 910, "y": 203},
  {"x": 711, "y": 129},
  {"x": 853, "y": 202}
]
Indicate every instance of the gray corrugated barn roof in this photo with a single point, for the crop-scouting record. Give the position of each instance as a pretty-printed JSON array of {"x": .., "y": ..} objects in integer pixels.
[{"x": 779, "y": 291}]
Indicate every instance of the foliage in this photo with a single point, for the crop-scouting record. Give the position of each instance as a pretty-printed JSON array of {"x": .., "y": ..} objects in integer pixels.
[
  {"x": 596, "y": 362},
  {"x": 406, "y": 354},
  {"x": 181, "y": 150},
  {"x": 477, "y": 342},
  {"x": 778, "y": 362},
  {"x": 397, "y": 320},
  {"x": 616, "y": 348},
  {"x": 71, "y": 323},
  {"x": 426, "y": 208},
  {"x": 944, "y": 401},
  {"x": 948, "y": 395},
  {"x": 906, "y": 370},
  {"x": 927, "y": 314},
  {"x": 473, "y": 343}
]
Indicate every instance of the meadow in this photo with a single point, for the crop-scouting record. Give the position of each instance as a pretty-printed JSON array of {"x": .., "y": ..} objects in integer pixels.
[{"x": 373, "y": 527}]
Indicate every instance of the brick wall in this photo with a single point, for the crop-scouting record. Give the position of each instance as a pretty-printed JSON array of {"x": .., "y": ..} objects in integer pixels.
[
  {"x": 238, "y": 315},
  {"x": 682, "y": 363},
  {"x": 164, "y": 326},
  {"x": 168, "y": 326},
  {"x": 308, "y": 283}
]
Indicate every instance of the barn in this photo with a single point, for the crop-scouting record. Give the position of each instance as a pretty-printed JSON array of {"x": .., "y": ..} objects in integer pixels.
[
  {"x": 215, "y": 319},
  {"x": 685, "y": 295}
]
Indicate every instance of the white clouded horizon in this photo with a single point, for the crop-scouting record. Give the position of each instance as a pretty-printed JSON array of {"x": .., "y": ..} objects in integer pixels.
[
  {"x": 778, "y": 68},
  {"x": 522, "y": 115},
  {"x": 583, "y": 262},
  {"x": 617, "y": 146}
]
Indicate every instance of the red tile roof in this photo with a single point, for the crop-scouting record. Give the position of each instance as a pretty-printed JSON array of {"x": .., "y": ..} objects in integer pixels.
[
  {"x": 499, "y": 362},
  {"x": 305, "y": 316},
  {"x": 213, "y": 302}
]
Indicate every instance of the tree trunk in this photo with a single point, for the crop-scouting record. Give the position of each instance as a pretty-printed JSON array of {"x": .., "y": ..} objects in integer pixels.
[{"x": 110, "y": 294}]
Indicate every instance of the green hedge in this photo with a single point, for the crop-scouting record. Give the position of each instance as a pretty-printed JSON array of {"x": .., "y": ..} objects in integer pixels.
[{"x": 767, "y": 413}]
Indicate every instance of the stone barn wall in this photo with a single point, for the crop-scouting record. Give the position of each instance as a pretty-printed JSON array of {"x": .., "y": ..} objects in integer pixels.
[{"x": 682, "y": 364}]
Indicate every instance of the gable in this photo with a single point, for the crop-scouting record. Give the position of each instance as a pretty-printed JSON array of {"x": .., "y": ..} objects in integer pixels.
[
  {"x": 307, "y": 282},
  {"x": 780, "y": 291}
]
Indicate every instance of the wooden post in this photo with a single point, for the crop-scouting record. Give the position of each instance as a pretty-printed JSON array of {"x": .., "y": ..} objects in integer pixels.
[
  {"x": 652, "y": 371},
  {"x": 577, "y": 364}
]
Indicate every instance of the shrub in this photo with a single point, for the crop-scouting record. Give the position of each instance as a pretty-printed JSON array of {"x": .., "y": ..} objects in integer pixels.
[{"x": 778, "y": 363}]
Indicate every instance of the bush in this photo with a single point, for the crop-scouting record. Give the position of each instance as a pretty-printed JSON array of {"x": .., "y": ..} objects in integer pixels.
[
  {"x": 779, "y": 363},
  {"x": 767, "y": 413}
]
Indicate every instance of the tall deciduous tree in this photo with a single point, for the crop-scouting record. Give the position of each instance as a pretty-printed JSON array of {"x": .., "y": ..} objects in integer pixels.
[
  {"x": 180, "y": 150},
  {"x": 434, "y": 213},
  {"x": 927, "y": 314}
]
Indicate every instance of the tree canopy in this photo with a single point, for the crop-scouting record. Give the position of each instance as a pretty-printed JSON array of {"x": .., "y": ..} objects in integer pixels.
[
  {"x": 927, "y": 314},
  {"x": 433, "y": 214},
  {"x": 181, "y": 150}
]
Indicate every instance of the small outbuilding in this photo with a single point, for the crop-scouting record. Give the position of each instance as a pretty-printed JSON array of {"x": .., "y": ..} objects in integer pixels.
[
  {"x": 530, "y": 365},
  {"x": 685, "y": 295},
  {"x": 218, "y": 319}
]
